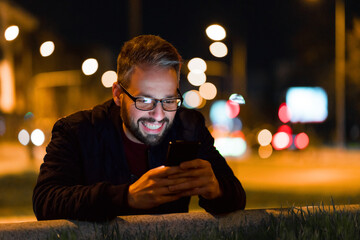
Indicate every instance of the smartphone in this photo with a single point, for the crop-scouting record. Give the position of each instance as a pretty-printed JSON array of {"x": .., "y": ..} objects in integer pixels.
[{"x": 181, "y": 151}]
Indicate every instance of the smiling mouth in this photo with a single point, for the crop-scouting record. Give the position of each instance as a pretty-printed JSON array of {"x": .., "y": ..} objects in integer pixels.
[{"x": 153, "y": 126}]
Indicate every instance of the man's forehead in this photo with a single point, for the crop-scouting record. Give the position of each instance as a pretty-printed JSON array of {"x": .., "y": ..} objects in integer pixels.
[
  {"x": 149, "y": 67},
  {"x": 154, "y": 82}
]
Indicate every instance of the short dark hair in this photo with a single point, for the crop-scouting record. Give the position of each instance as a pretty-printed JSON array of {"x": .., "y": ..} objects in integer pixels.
[{"x": 146, "y": 50}]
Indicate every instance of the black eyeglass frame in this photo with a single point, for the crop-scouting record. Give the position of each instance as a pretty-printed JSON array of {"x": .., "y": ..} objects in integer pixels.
[{"x": 156, "y": 100}]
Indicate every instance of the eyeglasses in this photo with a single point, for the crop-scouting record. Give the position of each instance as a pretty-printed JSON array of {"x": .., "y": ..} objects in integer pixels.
[{"x": 147, "y": 104}]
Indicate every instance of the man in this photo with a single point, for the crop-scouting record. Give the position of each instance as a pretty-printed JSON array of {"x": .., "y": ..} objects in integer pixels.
[{"x": 108, "y": 161}]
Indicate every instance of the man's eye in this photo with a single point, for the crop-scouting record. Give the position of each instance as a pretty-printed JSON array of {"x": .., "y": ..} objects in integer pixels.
[
  {"x": 144, "y": 100},
  {"x": 169, "y": 101}
]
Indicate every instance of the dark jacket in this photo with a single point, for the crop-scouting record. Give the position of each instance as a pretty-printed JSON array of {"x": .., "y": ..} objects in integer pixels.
[{"x": 85, "y": 175}]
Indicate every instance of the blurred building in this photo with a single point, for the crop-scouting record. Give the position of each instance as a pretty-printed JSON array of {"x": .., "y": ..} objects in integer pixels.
[
  {"x": 15, "y": 65},
  {"x": 37, "y": 89}
]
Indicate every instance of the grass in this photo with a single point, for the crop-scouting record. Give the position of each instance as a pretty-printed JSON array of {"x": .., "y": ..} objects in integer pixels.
[
  {"x": 293, "y": 223},
  {"x": 315, "y": 224},
  {"x": 266, "y": 199},
  {"x": 16, "y": 194}
]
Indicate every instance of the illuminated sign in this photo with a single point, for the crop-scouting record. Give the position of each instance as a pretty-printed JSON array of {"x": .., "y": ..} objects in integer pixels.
[{"x": 307, "y": 104}]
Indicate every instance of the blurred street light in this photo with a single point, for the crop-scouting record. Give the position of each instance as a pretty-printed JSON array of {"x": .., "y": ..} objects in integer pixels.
[
  {"x": 301, "y": 140},
  {"x": 264, "y": 137},
  {"x": 234, "y": 147},
  {"x": 218, "y": 49},
  {"x": 196, "y": 78},
  {"x": 7, "y": 87},
  {"x": 197, "y": 65},
  {"x": 283, "y": 113},
  {"x": 37, "y": 137},
  {"x": 192, "y": 99},
  {"x": 239, "y": 99},
  {"x": 11, "y": 33},
  {"x": 208, "y": 91},
  {"x": 90, "y": 66},
  {"x": 215, "y": 32},
  {"x": 47, "y": 48},
  {"x": 108, "y": 78},
  {"x": 281, "y": 140},
  {"x": 265, "y": 151},
  {"x": 24, "y": 137}
]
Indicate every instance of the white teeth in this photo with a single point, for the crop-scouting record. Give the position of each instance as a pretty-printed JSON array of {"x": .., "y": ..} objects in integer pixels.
[{"x": 152, "y": 126}]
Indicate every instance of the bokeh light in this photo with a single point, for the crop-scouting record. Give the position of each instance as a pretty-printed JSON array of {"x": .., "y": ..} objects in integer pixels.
[
  {"x": 208, "y": 91},
  {"x": 301, "y": 140},
  {"x": 24, "y": 137},
  {"x": 90, "y": 66},
  {"x": 203, "y": 102},
  {"x": 237, "y": 98},
  {"x": 47, "y": 48},
  {"x": 238, "y": 133},
  {"x": 28, "y": 115},
  {"x": 197, "y": 65},
  {"x": 265, "y": 151},
  {"x": 215, "y": 32},
  {"x": 218, "y": 132},
  {"x": 11, "y": 33},
  {"x": 307, "y": 104},
  {"x": 281, "y": 140},
  {"x": 284, "y": 114},
  {"x": 219, "y": 117},
  {"x": 264, "y": 137},
  {"x": 218, "y": 49},
  {"x": 196, "y": 78},
  {"x": 37, "y": 137},
  {"x": 192, "y": 99},
  {"x": 7, "y": 86},
  {"x": 233, "y": 147},
  {"x": 222, "y": 124},
  {"x": 285, "y": 128},
  {"x": 237, "y": 124},
  {"x": 108, "y": 78},
  {"x": 232, "y": 109}
]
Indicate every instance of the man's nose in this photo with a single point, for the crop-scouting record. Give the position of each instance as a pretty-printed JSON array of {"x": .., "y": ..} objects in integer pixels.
[{"x": 158, "y": 112}]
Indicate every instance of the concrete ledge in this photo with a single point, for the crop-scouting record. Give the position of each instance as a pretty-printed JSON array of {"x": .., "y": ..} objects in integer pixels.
[{"x": 181, "y": 226}]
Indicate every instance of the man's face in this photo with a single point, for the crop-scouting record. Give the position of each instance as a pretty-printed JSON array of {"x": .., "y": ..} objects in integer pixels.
[{"x": 149, "y": 127}]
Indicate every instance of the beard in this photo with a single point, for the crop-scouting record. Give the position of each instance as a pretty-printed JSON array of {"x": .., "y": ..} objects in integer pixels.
[{"x": 134, "y": 128}]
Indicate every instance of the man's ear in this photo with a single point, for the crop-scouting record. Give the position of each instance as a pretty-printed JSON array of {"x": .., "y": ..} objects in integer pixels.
[{"x": 116, "y": 91}]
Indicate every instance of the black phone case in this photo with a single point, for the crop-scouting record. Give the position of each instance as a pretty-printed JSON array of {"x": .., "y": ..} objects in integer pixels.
[{"x": 181, "y": 151}]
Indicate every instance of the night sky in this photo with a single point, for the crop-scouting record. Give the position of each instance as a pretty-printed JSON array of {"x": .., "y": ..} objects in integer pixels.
[{"x": 272, "y": 29}]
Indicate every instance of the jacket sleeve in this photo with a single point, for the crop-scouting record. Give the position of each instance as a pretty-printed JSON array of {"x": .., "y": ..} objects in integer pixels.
[
  {"x": 234, "y": 197},
  {"x": 61, "y": 191}
]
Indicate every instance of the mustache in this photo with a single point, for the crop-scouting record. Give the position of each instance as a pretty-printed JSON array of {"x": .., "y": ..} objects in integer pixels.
[{"x": 152, "y": 120}]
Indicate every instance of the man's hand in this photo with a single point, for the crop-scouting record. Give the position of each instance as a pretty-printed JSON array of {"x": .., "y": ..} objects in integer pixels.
[
  {"x": 196, "y": 178},
  {"x": 166, "y": 184},
  {"x": 153, "y": 188}
]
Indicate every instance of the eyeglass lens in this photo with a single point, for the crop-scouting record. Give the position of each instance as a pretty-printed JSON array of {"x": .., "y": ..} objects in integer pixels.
[{"x": 168, "y": 104}]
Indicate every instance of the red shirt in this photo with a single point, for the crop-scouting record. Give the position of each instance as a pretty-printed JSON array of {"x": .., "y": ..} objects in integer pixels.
[{"x": 136, "y": 155}]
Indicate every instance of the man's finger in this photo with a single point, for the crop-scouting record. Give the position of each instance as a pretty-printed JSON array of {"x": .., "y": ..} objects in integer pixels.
[
  {"x": 164, "y": 171},
  {"x": 197, "y": 163},
  {"x": 190, "y": 173},
  {"x": 184, "y": 186}
]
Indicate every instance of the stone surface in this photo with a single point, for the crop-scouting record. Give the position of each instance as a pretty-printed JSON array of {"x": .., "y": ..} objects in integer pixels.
[{"x": 192, "y": 225}]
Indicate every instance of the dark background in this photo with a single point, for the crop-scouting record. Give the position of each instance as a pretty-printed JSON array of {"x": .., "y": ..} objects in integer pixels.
[{"x": 288, "y": 43}]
